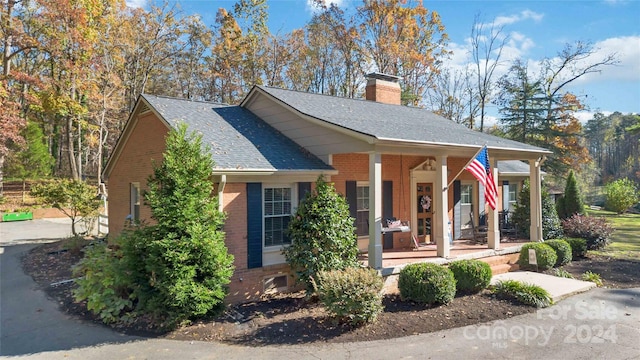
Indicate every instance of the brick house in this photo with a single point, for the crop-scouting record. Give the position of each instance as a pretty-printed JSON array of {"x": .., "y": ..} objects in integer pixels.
[{"x": 385, "y": 158}]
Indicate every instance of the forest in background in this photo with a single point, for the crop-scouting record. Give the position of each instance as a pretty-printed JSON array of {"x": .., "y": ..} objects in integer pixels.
[{"x": 73, "y": 69}]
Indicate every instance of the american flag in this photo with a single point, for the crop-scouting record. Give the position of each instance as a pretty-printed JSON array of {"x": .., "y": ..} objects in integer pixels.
[{"x": 481, "y": 170}]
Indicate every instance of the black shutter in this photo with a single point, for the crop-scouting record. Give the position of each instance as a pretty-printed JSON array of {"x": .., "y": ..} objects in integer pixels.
[
  {"x": 303, "y": 189},
  {"x": 387, "y": 212},
  {"x": 457, "y": 212},
  {"x": 254, "y": 225}
]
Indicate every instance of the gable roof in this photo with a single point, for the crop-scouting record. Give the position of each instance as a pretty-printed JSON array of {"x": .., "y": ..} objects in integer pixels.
[
  {"x": 388, "y": 122},
  {"x": 239, "y": 140}
]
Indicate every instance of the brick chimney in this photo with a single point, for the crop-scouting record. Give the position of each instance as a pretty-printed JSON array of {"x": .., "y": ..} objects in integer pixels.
[{"x": 383, "y": 88}]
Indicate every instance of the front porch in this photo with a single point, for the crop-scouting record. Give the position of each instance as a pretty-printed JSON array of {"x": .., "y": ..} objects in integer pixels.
[{"x": 394, "y": 260}]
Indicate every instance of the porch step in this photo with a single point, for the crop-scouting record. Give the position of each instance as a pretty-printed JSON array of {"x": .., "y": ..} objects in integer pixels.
[
  {"x": 502, "y": 259},
  {"x": 503, "y": 268},
  {"x": 503, "y": 263}
]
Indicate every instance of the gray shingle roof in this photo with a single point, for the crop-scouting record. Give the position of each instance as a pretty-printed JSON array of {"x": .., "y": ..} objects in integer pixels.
[
  {"x": 513, "y": 167},
  {"x": 390, "y": 122},
  {"x": 239, "y": 140}
]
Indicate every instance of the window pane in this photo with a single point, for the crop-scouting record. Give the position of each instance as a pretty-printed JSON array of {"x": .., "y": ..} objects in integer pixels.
[{"x": 277, "y": 212}]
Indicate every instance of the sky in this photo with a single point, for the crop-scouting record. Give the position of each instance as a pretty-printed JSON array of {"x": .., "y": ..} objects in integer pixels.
[{"x": 535, "y": 30}]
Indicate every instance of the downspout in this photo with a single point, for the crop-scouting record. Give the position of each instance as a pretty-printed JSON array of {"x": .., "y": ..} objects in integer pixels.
[{"x": 221, "y": 185}]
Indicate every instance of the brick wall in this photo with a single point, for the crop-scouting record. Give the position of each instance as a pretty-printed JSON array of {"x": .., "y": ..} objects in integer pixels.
[{"x": 145, "y": 144}]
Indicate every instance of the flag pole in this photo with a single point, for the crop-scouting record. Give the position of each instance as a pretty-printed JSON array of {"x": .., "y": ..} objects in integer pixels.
[{"x": 464, "y": 167}]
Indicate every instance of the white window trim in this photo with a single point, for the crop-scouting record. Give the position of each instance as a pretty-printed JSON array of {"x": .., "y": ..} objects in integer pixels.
[
  {"x": 361, "y": 184},
  {"x": 134, "y": 186},
  {"x": 272, "y": 255},
  {"x": 470, "y": 193}
]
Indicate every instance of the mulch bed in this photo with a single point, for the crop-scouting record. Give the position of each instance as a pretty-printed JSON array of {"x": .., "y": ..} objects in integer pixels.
[{"x": 293, "y": 319}]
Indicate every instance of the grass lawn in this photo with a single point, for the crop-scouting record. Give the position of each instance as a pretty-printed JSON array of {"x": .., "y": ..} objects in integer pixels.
[{"x": 625, "y": 239}]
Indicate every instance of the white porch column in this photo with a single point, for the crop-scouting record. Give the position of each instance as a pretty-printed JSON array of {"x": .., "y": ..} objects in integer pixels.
[
  {"x": 535, "y": 200},
  {"x": 493, "y": 234},
  {"x": 441, "y": 208},
  {"x": 375, "y": 210}
]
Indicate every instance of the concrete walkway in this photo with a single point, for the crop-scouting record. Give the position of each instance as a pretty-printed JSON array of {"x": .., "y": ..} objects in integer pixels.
[{"x": 558, "y": 287}]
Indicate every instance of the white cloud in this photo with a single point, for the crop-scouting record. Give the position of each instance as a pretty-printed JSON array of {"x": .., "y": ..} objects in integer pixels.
[
  {"x": 584, "y": 116},
  {"x": 522, "y": 16},
  {"x": 627, "y": 49},
  {"x": 136, "y": 3},
  {"x": 313, "y": 7}
]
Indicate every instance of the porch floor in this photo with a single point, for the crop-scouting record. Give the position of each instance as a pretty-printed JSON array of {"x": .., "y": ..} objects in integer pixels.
[{"x": 394, "y": 259}]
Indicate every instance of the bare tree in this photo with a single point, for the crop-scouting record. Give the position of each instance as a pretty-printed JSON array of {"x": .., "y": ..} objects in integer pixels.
[
  {"x": 486, "y": 48},
  {"x": 451, "y": 97}
]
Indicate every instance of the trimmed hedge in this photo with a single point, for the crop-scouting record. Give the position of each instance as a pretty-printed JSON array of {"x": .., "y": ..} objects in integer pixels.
[
  {"x": 427, "y": 283},
  {"x": 562, "y": 249},
  {"x": 352, "y": 295},
  {"x": 471, "y": 275},
  {"x": 545, "y": 255},
  {"x": 578, "y": 247}
]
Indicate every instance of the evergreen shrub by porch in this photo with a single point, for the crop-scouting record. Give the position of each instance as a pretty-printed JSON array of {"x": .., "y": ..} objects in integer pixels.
[
  {"x": 562, "y": 249},
  {"x": 471, "y": 275},
  {"x": 545, "y": 255},
  {"x": 578, "y": 247},
  {"x": 427, "y": 283},
  {"x": 352, "y": 295},
  {"x": 322, "y": 235},
  {"x": 525, "y": 293},
  {"x": 551, "y": 225},
  {"x": 595, "y": 230}
]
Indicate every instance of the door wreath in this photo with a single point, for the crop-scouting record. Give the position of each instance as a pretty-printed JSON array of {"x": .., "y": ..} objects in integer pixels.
[{"x": 425, "y": 202}]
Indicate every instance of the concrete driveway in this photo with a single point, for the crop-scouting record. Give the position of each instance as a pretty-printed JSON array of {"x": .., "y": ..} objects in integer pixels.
[{"x": 598, "y": 324}]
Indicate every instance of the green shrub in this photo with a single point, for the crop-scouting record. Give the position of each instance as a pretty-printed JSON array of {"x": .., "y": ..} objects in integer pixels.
[
  {"x": 578, "y": 247},
  {"x": 551, "y": 226},
  {"x": 571, "y": 202},
  {"x": 180, "y": 266},
  {"x": 352, "y": 295},
  {"x": 322, "y": 235},
  {"x": 103, "y": 283},
  {"x": 593, "y": 277},
  {"x": 545, "y": 255},
  {"x": 621, "y": 195},
  {"x": 471, "y": 275},
  {"x": 427, "y": 283},
  {"x": 595, "y": 230},
  {"x": 562, "y": 249},
  {"x": 559, "y": 272},
  {"x": 527, "y": 294}
]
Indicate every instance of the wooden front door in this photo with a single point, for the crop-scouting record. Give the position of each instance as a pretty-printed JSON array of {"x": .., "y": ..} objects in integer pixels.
[{"x": 424, "y": 192}]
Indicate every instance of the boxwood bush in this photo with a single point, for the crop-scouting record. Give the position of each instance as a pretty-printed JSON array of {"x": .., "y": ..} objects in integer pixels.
[
  {"x": 562, "y": 249},
  {"x": 545, "y": 255},
  {"x": 578, "y": 247},
  {"x": 471, "y": 275},
  {"x": 427, "y": 283},
  {"x": 352, "y": 295}
]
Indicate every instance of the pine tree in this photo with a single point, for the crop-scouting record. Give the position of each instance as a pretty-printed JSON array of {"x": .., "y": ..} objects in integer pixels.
[
  {"x": 571, "y": 203},
  {"x": 182, "y": 264}
]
